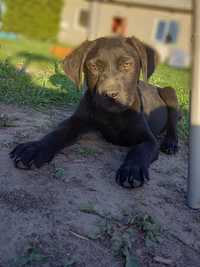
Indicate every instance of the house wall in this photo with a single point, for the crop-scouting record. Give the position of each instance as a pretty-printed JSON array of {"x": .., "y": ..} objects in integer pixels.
[{"x": 70, "y": 32}]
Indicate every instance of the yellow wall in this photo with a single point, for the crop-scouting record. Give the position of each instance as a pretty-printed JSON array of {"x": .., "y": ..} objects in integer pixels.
[{"x": 69, "y": 31}]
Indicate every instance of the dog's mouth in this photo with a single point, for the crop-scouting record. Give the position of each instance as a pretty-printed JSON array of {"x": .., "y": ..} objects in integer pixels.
[{"x": 112, "y": 104}]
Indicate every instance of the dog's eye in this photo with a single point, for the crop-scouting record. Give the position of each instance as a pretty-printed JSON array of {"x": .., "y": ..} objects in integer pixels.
[{"x": 93, "y": 67}]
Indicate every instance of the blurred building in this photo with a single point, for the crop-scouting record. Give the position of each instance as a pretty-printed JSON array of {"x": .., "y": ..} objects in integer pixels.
[{"x": 165, "y": 25}]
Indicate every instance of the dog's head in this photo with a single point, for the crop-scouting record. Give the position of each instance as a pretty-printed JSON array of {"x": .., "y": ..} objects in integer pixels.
[{"x": 111, "y": 68}]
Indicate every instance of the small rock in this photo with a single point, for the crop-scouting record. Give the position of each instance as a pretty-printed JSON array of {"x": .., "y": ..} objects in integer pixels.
[{"x": 163, "y": 260}]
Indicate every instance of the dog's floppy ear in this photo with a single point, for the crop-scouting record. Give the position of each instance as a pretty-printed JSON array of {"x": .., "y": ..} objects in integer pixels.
[
  {"x": 73, "y": 63},
  {"x": 148, "y": 57},
  {"x": 152, "y": 59}
]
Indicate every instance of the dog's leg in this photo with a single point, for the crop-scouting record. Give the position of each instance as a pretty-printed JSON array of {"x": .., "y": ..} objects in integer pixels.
[
  {"x": 170, "y": 142},
  {"x": 134, "y": 170},
  {"x": 42, "y": 151}
]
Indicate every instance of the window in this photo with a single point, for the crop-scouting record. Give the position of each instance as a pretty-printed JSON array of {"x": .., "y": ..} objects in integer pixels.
[
  {"x": 167, "y": 31},
  {"x": 83, "y": 18},
  {"x": 160, "y": 30}
]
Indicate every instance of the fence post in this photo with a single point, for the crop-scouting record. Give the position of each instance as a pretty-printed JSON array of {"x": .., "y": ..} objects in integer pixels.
[
  {"x": 94, "y": 19},
  {"x": 193, "y": 195}
]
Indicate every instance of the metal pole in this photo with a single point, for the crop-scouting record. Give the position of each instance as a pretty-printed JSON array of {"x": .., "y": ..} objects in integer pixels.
[
  {"x": 193, "y": 197},
  {"x": 94, "y": 18}
]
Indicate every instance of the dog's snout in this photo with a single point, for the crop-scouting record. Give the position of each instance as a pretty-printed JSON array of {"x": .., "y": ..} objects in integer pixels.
[
  {"x": 107, "y": 93},
  {"x": 109, "y": 90}
]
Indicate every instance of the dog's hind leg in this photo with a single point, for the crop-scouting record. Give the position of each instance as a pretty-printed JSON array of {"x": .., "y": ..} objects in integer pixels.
[{"x": 170, "y": 142}]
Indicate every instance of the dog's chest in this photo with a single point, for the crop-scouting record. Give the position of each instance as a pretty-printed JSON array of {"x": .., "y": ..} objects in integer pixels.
[{"x": 113, "y": 127}]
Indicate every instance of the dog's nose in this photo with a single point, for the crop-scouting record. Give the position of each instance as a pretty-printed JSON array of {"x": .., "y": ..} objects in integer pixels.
[
  {"x": 109, "y": 88},
  {"x": 113, "y": 95}
]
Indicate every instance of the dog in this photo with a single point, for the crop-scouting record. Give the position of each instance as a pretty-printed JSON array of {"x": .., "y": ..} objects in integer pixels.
[{"x": 126, "y": 110}]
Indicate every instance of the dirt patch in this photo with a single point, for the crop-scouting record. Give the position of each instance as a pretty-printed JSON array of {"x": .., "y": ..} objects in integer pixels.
[{"x": 72, "y": 213}]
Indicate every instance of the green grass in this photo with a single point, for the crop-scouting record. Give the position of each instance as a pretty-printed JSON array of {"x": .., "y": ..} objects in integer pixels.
[
  {"x": 40, "y": 90},
  {"x": 30, "y": 75},
  {"x": 11, "y": 48}
]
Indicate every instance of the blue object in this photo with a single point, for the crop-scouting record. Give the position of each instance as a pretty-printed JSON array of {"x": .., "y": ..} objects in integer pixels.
[
  {"x": 160, "y": 30},
  {"x": 8, "y": 36},
  {"x": 173, "y": 30}
]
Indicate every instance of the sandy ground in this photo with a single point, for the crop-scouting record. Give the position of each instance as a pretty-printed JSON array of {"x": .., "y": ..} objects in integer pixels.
[{"x": 72, "y": 213}]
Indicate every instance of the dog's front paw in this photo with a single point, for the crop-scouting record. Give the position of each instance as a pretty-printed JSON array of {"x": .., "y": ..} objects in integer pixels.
[
  {"x": 32, "y": 153},
  {"x": 132, "y": 176},
  {"x": 169, "y": 146}
]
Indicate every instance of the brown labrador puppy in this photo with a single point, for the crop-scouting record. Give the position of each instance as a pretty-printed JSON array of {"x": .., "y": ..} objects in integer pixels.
[{"x": 127, "y": 111}]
